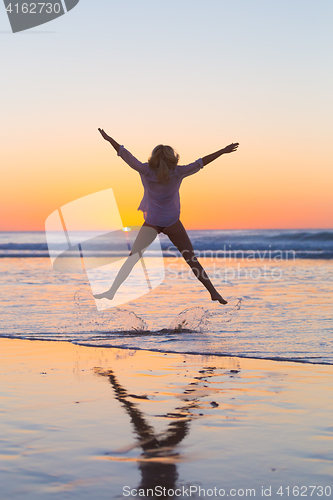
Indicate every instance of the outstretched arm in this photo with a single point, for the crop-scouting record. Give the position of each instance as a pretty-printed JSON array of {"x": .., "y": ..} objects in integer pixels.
[
  {"x": 109, "y": 139},
  {"x": 228, "y": 149},
  {"x": 128, "y": 158}
]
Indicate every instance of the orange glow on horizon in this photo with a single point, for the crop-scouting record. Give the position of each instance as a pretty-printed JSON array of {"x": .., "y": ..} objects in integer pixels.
[{"x": 243, "y": 190}]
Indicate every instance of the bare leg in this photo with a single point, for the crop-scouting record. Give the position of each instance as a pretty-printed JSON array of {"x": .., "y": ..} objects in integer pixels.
[
  {"x": 179, "y": 237},
  {"x": 145, "y": 237}
]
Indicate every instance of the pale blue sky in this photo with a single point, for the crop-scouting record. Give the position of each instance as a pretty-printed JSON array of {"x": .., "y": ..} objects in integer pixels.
[{"x": 249, "y": 60}]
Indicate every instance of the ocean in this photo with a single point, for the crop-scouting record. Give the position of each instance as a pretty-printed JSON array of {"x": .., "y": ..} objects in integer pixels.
[{"x": 278, "y": 283}]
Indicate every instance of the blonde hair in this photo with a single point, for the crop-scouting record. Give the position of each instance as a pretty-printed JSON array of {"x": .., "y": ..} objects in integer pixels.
[{"x": 162, "y": 160}]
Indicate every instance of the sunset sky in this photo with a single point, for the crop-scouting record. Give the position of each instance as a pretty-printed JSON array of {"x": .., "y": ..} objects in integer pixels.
[{"x": 196, "y": 75}]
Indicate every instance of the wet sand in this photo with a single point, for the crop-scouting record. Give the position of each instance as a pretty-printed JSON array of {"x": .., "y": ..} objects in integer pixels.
[{"x": 84, "y": 422}]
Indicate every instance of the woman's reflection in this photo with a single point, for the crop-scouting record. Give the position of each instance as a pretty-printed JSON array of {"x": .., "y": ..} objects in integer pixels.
[{"x": 159, "y": 455}]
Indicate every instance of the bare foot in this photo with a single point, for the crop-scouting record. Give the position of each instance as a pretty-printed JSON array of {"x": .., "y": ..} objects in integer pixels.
[
  {"x": 105, "y": 295},
  {"x": 218, "y": 297}
]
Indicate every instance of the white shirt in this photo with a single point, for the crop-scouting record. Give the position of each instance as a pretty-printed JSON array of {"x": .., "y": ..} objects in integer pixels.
[{"x": 160, "y": 203}]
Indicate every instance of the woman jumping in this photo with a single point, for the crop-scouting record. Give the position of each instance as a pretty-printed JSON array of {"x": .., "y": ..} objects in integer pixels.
[{"x": 161, "y": 177}]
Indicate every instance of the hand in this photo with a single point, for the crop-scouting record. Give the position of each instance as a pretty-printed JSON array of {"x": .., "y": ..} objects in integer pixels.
[
  {"x": 231, "y": 148},
  {"x": 104, "y": 135}
]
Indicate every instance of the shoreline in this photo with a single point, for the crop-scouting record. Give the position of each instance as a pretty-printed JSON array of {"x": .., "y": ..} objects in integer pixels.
[
  {"x": 282, "y": 319},
  {"x": 152, "y": 350}
]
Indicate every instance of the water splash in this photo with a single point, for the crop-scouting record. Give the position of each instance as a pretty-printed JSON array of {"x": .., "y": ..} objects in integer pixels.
[
  {"x": 198, "y": 318},
  {"x": 194, "y": 318},
  {"x": 227, "y": 314},
  {"x": 130, "y": 321},
  {"x": 83, "y": 297},
  {"x": 115, "y": 320}
]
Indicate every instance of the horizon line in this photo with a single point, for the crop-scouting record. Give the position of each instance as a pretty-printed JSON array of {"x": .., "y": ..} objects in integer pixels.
[{"x": 196, "y": 229}]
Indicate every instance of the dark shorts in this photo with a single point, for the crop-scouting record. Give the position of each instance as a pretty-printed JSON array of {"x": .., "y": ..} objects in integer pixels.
[
  {"x": 178, "y": 236},
  {"x": 159, "y": 229}
]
